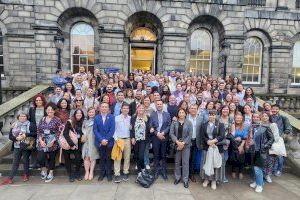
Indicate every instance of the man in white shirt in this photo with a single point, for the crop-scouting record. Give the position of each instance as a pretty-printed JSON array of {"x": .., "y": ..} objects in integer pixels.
[
  {"x": 196, "y": 122},
  {"x": 122, "y": 132}
]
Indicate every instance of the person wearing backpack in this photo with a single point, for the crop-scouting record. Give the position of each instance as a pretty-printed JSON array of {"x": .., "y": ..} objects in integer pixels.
[
  {"x": 181, "y": 132},
  {"x": 74, "y": 125}
]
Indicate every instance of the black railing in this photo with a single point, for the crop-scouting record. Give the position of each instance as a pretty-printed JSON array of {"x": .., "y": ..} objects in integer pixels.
[
  {"x": 255, "y": 3},
  {"x": 297, "y": 3}
]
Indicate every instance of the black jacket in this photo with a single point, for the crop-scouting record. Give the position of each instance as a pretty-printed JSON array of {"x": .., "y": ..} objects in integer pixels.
[
  {"x": 31, "y": 118},
  {"x": 67, "y": 129},
  {"x": 218, "y": 133},
  {"x": 130, "y": 85},
  {"x": 132, "y": 124}
]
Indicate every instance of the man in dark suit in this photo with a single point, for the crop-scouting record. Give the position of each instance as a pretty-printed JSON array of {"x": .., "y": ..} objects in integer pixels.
[
  {"x": 104, "y": 128},
  {"x": 160, "y": 122},
  {"x": 135, "y": 103},
  {"x": 223, "y": 92}
]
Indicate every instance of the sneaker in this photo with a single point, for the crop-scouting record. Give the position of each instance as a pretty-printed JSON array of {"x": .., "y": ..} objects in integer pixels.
[
  {"x": 268, "y": 179},
  {"x": 43, "y": 175},
  {"x": 49, "y": 178},
  {"x": 205, "y": 183},
  {"x": 225, "y": 180},
  {"x": 258, "y": 189},
  {"x": 117, "y": 179},
  {"x": 25, "y": 178},
  {"x": 277, "y": 173},
  {"x": 214, "y": 185},
  {"x": 148, "y": 167},
  {"x": 253, "y": 185},
  {"x": 7, "y": 181},
  {"x": 125, "y": 177}
]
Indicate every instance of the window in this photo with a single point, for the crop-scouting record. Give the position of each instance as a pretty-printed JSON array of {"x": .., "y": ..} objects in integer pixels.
[
  {"x": 297, "y": 3},
  {"x": 201, "y": 52},
  {"x": 254, "y": 3},
  {"x": 1, "y": 55},
  {"x": 296, "y": 64},
  {"x": 143, "y": 34},
  {"x": 252, "y": 61},
  {"x": 82, "y": 47}
]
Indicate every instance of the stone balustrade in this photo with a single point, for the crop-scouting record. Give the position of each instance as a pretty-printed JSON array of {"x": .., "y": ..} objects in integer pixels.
[{"x": 9, "y": 111}]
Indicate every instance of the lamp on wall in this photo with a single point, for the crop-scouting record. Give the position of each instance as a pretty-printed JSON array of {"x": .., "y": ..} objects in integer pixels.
[
  {"x": 59, "y": 44},
  {"x": 224, "y": 56}
]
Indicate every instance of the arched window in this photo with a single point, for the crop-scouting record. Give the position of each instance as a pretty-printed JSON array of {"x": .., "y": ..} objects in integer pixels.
[
  {"x": 296, "y": 64},
  {"x": 143, "y": 34},
  {"x": 82, "y": 47},
  {"x": 252, "y": 61},
  {"x": 201, "y": 52},
  {"x": 1, "y": 55}
]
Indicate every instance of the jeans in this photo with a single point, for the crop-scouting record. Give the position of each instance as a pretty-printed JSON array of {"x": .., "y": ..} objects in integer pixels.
[
  {"x": 259, "y": 175},
  {"x": 279, "y": 163},
  {"x": 16, "y": 162},
  {"x": 47, "y": 156}
]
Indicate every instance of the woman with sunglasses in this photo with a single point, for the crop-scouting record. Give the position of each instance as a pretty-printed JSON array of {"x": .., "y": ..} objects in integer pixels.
[{"x": 78, "y": 103}]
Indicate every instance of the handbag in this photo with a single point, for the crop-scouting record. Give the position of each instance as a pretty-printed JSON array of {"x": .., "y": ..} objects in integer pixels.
[
  {"x": 28, "y": 143},
  {"x": 63, "y": 142}
]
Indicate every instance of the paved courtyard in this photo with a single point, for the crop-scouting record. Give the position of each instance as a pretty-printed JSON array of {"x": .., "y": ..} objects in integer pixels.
[{"x": 286, "y": 187}]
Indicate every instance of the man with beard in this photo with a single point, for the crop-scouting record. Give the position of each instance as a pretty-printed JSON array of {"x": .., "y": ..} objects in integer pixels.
[{"x": 135, "y": 103}]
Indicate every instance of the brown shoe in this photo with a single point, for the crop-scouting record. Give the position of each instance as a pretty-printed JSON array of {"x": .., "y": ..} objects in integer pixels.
[{"x": 193, "y": 179}]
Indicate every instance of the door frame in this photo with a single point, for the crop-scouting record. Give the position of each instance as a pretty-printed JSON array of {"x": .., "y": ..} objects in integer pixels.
[{"x": 145, "y": 45}]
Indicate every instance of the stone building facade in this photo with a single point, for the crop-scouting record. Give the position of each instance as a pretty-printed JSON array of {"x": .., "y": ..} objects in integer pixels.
[{"x": 262, "y": 36}]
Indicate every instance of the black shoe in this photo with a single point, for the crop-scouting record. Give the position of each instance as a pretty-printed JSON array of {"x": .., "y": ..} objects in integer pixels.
[
  {"x": 176, "y": 182},
  {"x": 71, "y": 179},
  {"x": 125, "y": 177},
  {"x": 100, "y": 178},
  {"x": 109, "y": 178},
  {"x": 117, "y": 179},
  {"x": 79, "y": 178},
  {"x": 186, "y": 184},
  {"x": 164, "y": 176}
]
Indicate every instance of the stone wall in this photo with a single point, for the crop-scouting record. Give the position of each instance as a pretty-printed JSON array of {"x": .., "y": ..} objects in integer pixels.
[{"x": 30, "y": 56}]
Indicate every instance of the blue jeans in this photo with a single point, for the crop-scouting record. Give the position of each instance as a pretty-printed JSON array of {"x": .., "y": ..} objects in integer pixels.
[
  {"x": 279, "y": 163},
  {"x": 259, "y": 176},
  {"x": 146, "y": 154}
]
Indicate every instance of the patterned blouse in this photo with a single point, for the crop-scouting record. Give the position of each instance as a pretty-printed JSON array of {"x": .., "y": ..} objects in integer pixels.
[
  {"x": 49, "y": 132},
  {"x": 140, "y": 129}
]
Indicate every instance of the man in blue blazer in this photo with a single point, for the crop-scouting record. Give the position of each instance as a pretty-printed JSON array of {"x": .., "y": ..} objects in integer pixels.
[
  {"x": 104, "y": 128},
  {"x": 160, "y": 122}
]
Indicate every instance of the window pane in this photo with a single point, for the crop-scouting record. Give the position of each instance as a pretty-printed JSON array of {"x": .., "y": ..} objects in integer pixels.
[
  {"x": 82, "y": 40},
  {"x": 296, "y": 55},
  {"x": 201, "y": 50},
  {"x": 1, "y": 59},
  {"x": 143, "y": 34},
  {"x": 252, "y": 60},
  {"x": 1, "y": 40}
]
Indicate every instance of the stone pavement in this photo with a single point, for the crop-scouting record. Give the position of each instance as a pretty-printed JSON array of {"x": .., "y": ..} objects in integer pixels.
[{"x": 286, "y": 187}]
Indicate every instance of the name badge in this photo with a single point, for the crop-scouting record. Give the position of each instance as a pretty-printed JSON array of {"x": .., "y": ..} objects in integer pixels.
[{"x": 46, "y": 131}]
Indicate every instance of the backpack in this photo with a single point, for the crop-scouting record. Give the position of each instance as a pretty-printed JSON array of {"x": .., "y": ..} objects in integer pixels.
[{"x": 144, "y": 179}]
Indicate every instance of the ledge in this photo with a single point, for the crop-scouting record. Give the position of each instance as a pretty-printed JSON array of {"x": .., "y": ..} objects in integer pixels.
[{"x": 21, "y": 99}]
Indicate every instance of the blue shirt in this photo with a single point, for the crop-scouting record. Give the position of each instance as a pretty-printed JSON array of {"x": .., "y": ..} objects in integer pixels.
[
  {"x": 117, "y": 109},
  {"x": 241, "y": 133}
]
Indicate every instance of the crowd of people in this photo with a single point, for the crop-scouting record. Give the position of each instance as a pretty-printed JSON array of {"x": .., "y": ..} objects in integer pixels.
[{"x": 108, "y": 117}]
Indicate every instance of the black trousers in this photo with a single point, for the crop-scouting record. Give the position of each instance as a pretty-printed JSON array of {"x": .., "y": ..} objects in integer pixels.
[
  {"x": 47, "y": 156},
  {"x": 18, "y": 154},
  {"x": 192, "y": 157},
  {"x": 139, "y": 151},
  {"x": 105, "y": 161},
  {"x": 68, "y": 161},
  {"x": 159, "y": 151}
]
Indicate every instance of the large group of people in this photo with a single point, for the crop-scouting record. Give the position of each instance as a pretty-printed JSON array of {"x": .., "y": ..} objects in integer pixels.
[{"x": 107, "y": 117}]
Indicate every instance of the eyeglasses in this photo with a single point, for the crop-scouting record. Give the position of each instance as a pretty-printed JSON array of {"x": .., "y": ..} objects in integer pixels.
[
  {"x": 211, "y": 114},
  {"x": 79, "y": 100}
]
